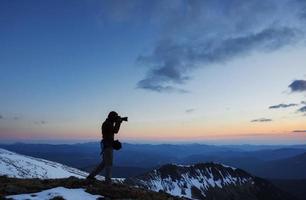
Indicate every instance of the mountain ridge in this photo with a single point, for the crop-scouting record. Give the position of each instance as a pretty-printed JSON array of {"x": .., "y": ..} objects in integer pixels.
[{"x": 208, "y": 181}]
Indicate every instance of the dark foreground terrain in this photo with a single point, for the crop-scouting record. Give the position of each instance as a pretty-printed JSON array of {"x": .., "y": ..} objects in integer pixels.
[
  {"x": 12, "y": 186},
  {"x": 295, "y": 187}
]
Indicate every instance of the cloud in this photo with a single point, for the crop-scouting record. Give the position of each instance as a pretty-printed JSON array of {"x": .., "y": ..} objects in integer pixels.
[
  {"x": 15, "y": 118},
  {"x": 190, "y": 110},
  {"x": 171, "y": 61},
  {"x": 191, "y": 37},
  {"x": 283, "y": 106},
  {"x": 299, "y": 131},
  {"x": 300, "y": 110},
  {"x": 262, "y": 120},
  {"x": 42, "y": 122},
  {"x": 298, "y": 86},
  {"x": 303, "y": 109},
  {"x": 150, "y": 84}
]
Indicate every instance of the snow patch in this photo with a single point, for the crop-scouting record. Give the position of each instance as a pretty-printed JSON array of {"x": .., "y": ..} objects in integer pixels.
[
  {"x": 180, "y": 165},
  {"x": 68, "y": 194},
  {"x": 233, "y": 168}
]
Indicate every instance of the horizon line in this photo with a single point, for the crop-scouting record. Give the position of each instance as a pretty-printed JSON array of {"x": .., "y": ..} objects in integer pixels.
[{"x": 148, "y": 142}]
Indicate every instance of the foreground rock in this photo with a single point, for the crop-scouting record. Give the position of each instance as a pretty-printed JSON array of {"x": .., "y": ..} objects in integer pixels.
[{"x": 13, "y": 186}]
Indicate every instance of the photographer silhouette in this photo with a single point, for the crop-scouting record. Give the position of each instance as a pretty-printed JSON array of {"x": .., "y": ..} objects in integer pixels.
[{"x": 110, "y": 127}]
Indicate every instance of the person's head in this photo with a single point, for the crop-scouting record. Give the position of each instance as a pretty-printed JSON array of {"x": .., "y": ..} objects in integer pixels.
[{"x": 112, "y": 116}]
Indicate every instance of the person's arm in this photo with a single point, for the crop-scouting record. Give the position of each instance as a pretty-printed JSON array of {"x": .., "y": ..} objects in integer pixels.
[{"x": 117, "y": 127}]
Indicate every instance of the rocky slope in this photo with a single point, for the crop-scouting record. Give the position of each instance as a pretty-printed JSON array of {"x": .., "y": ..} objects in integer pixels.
[
  {"x": 14, "y": 186},
  {"x": 208, "y": 181}
]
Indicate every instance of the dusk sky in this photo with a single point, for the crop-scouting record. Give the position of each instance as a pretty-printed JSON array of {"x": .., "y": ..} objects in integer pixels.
[{"x": 210, "y": 71}]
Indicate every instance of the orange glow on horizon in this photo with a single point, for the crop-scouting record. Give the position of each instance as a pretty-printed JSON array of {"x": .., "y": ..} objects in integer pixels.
[{"x": 168, "y": 131}]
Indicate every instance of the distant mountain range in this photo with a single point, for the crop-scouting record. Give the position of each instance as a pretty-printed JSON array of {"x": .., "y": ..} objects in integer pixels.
[
  {"x": 289, "y": 168},
  {"x": 208, "y": 181},
  {"x": 273, "y": 162}
]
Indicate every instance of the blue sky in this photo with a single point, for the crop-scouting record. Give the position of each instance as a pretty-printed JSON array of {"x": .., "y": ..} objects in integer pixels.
[{"x": 181, "y": 70}]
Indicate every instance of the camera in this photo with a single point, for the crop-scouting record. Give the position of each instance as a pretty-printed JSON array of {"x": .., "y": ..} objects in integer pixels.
[{"x": 122, "y": 118}]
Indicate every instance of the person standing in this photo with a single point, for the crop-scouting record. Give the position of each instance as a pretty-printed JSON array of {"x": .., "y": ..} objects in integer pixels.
[{"x": 110, "y": 127}]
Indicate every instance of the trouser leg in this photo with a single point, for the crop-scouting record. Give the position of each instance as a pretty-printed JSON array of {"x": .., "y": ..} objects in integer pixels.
[
  {"x": 108, "y": 159},
  {"x": 97, "y": 170},
  {"x": 108, "y": 173}
]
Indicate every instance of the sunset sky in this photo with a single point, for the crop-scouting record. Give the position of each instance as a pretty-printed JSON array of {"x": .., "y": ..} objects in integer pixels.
[{"x": 211, "y": 71}]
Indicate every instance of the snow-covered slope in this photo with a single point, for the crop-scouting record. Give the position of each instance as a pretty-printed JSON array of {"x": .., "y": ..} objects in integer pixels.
[
  {"x": 21, "y": 166},
  {"x": 179, "y": 180},
  {"x": 206, "y": 181}
]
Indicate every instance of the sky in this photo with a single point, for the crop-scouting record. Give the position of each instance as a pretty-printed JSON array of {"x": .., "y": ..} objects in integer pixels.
[{"x": 209, "y": 71}]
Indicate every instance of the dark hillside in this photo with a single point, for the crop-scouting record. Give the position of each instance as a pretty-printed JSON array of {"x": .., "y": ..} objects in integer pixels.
[{"x": 11, "y": 186}]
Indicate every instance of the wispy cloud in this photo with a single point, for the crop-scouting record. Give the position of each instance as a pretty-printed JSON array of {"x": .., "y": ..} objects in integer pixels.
[
  {"x": 199, "y": 40},
  {"x": 262, "y": 120},
  {"x": 190, "y": 110},
  {"x": 42, "y": 122},
  {"x": 283, "y": 106},
  {"x": 302, "y": 109},
  {"x": 150, "y": 85},
  {"x": 299, "y": 131},
  {"x": 298, "y": 86},
  {"x": 188, "y": 36},
  {"x": 16, "y": 118}
]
